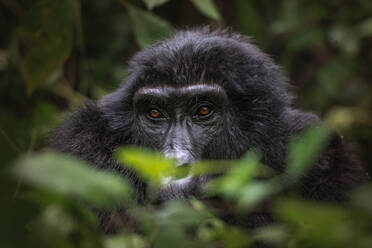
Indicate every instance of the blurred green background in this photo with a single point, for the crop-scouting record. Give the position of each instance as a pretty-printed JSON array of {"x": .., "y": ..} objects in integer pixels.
[{"x": 55, "y": 54}]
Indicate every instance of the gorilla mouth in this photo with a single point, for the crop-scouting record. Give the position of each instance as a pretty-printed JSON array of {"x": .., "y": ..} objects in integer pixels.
[
  {"x": 182, "y": 188},
  {"x": 170, "y": 181}
]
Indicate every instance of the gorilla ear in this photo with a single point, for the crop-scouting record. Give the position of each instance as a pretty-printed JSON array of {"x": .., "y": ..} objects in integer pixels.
[
  {"x": 112, "y": 101},
  {"x": 116, "y": 108},
  {"x": 108, "y": 99}
]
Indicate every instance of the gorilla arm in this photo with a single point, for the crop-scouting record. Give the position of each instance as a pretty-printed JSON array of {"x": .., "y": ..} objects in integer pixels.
[
  {"x": 336, "y": 172},
  {"x": 86, "y": 134}
]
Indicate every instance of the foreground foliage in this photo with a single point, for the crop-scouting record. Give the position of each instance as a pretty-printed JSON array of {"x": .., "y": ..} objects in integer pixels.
[{"x": 67, "y": 190}]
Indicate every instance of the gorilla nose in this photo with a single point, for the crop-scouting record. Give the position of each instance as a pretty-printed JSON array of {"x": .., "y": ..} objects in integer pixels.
[{"x": 182, "y": 157}]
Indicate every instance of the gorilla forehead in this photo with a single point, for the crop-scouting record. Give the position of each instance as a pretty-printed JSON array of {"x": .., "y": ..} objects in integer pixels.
[{"x": 199, "y": 55}]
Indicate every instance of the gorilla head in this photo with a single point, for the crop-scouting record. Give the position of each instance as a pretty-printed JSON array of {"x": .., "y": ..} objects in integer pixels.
[{"x": 202, "y": 95}]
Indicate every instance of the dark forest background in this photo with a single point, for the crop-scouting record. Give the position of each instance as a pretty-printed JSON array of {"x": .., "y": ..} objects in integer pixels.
[{"x": 55, "y": 54}]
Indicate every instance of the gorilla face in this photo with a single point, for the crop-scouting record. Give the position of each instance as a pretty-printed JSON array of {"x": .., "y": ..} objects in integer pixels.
[{"x": 180, "y": 121}]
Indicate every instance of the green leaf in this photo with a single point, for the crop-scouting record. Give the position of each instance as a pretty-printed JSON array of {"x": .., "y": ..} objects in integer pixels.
[
  {"x": 124, "y": 240},
  {"x": 67, "y": 176},
  {"x": 45, "y": 40},
  {"x": 207, "y": 8},
  {"x": 211, "y": 167},
  {"x": 315, "y": 224},
  {"x": 238, "y": 177},
  {"x": 149, "y": 165},
  {"x": 361, "y": 198},
  {"x": 365, "y": 28},
  {"x": 171, "y": 223},
  {"x": 255, "y": 192},
  {"x": 304, "y": 149},
  {"x": 154, "y": 3},
  {"x": 273, "y": 234},
  {"x": 148, "y": 27}
]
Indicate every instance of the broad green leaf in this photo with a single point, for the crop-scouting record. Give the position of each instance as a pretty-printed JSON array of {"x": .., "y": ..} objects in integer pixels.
[
  {"x": 211, "y": 167},
  {"x": 148, "y": 27},
  {"x": 207, "y": 8},
  {"x": 238, "y": 177},
  {"x": 45, "y": 40},
  {"x": 255, "y": 192},
  {"x": 149, "y": 165},
  {"x": 304, "y": 149},
  {"x": 64, "y": 175},
  {"x": 154, "y": 3}
]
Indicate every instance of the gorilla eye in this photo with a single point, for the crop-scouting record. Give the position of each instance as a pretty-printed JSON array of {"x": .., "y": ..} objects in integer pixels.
[
  {"x": 154, "y": 113},
  {"x": 204, "y": 111}
]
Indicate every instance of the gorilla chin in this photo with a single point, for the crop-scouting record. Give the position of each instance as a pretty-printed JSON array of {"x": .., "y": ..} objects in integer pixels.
[
  {"x": 182, "y": 188},
  {"x": 204, "y": 95}
]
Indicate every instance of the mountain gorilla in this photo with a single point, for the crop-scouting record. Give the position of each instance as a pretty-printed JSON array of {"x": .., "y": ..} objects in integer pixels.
[{"x": 203, "y": 95}]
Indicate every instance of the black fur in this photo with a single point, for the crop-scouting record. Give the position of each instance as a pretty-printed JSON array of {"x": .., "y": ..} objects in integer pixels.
[{"x": 260, "y": 114}]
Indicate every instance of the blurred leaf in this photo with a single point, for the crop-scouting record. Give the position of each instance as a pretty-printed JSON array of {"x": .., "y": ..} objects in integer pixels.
[
  {"x": 342, "y": 118},
  {"x": 45, "y": 40},
  {"x": 3, "y": 59},
  {"x": 179, "y": 213},
  {"x": 332, "y": 76},
  {"x": 249, "y": 21},
  {"x": 345, "y": 38},
  {"x": 236, "y": 238},
  {"x": 239, "y": 176},
  {"x": 55, "y": 219},
  {"x": 315, "y": 224},
  {"x": 62, "y": 174},
  {"x": 365, "y": 28},
  {"x": 362, "y": 198},
  {"x": 210, "y": 167},
  {"x": 289, "y": 17},
  {"x": 306, "y": 39},
  {"x": 274, "y": 234},
  {"x": 154, "y": 3},
  {"x": 124, "y": 241},
  {"x": 150, "y": 165},
  {"x": 58, "y": 226},
  {"x": 148, "y": 27},
  {"x": 208, "y": 8},
  {"x": 45, "y": 115},
  {"x": 76, "y": 210},
  {"x": 171, "y": 225},
  {"x": 304, "y": 149},
  {"x": 253, "y": 193}
]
